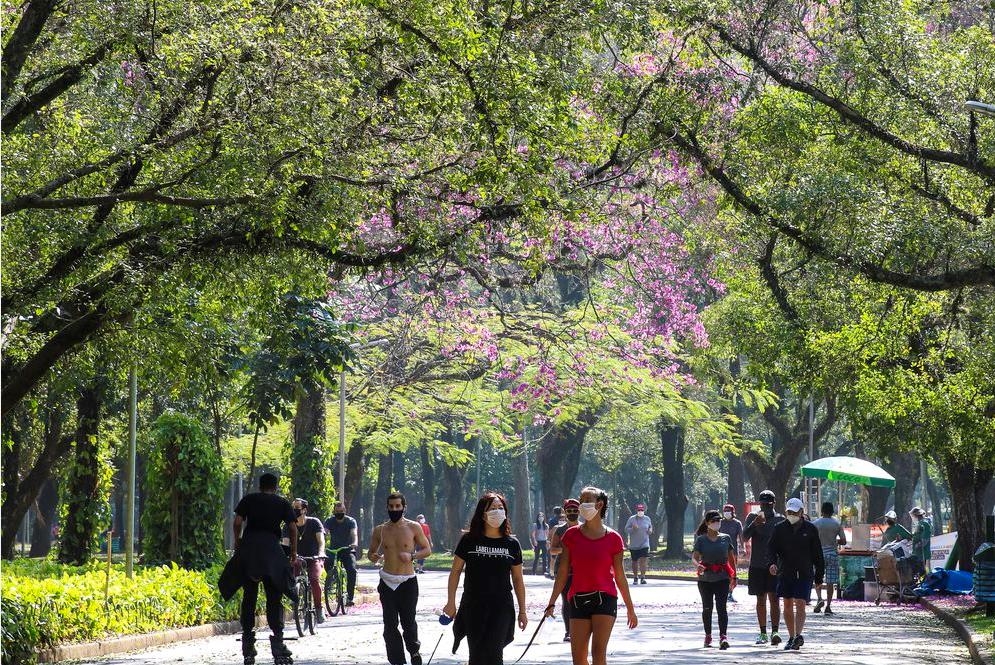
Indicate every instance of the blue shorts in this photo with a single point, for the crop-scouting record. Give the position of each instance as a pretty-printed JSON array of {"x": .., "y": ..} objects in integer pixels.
[{"x": 795, "y": 587}]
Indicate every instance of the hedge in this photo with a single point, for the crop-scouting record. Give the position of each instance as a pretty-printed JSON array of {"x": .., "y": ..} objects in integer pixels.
[{"x": 43, "y": 604}]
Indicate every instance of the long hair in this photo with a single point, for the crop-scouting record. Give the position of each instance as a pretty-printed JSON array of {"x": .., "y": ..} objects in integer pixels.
[
  {"x": 477, "y": 522},
  {"x": 540, "y": 522},
  {"x": 710, "y": 514},
  {"x": 600, "y": 495}
]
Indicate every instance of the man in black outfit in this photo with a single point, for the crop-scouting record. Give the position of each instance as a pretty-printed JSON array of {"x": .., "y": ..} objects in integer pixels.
[
  {"x": 760, "y": 583},
  {"x": 260, "y": 558},
  {"x": 343, "y": 532},
  {"x": 310, "y": 543},
  {"x": 795, "y": 556}
]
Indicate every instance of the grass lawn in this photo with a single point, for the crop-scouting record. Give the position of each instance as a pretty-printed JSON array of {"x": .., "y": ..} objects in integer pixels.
[{"x": 983, "y": 627}]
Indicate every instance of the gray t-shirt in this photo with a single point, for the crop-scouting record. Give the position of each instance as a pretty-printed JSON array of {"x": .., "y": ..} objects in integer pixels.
[
  {"x": 732, "y": 528},
  {"x": 638, "y": 530},
  {"x": 714, "y": 552},
  {"x": 830, "y": 530},
  {"x": 339, "y": 533}
]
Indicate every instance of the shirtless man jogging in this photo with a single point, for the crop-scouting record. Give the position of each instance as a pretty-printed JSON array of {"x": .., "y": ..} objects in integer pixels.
[{"x": 397, "y": 543}]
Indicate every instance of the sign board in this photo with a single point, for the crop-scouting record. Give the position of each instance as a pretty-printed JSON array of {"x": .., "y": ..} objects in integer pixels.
[{"x": 940, "y": 548}]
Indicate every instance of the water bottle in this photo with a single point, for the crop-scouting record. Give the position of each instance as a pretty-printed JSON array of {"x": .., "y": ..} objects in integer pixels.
[{"x": 444, "y": 618}]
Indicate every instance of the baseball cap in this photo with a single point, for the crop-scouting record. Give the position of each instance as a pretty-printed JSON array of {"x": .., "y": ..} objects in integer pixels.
[
  {"x": 571, "y": 503},
  {"x": 891, "y": 515},
  {"x": 794, "y": 504},
  {"x": 917, "y": 511},
  {"x": 731, "y": 508},
  {"x": 640, "y": 506},
  {"x": 766, "y": 495}
]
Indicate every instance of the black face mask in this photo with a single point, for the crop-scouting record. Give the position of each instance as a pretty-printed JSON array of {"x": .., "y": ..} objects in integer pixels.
[
  {"x": 767, "y": 508},
  {"x": 573, "y": 517},
  {"x": 297, "y": 512},
  {"x": 890, "y": 522},
  {"x": 340, "y": 516},
  {"x": 395, "y": 515}
]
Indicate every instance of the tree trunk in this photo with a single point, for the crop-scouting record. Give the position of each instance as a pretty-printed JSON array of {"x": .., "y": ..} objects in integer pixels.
[
  {"x": 967, "y": 487},
  {"x": 653, "y": 509},
  {"x": 400, "y": 475},
  {"x": 12, "y": 517},
  {"x": 428, "y": 482},
  {"x": 558, "y": 460},
  {"x": 385, "y": 464},
  {"x": 521, "y": 514},
  {"x": 675, "y": 499},
  {"x": 45, "y": 515},
  {"x": 81, "y": 528},
  {"x": 988, "y": 501},
  {"x": 354, "y": 474},
  {"x": 905, "y": 468},
  {"x": 736, "y": 485},
  {"x": 311, "y": 459}
]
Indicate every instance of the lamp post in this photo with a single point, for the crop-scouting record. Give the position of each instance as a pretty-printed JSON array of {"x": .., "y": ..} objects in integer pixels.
[{"x": 980, "y": 107}]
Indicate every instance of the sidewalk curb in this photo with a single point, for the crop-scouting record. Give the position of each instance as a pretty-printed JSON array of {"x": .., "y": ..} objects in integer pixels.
[
  {"x": 127, "y": 643},
  {"x": 962, "y": 629}
]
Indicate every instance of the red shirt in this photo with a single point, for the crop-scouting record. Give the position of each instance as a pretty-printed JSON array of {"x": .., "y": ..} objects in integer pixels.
[
  {"x": 427, "y": 531},
  {"x": 592, "y": 562}
]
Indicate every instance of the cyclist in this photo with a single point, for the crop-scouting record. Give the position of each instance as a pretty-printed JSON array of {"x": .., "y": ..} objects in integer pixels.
[
  {"x": 342, "y": 532},
  {"x": 310, "y": 543}
]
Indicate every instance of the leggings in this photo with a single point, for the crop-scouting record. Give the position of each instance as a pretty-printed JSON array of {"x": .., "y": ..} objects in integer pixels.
[
  {"x": 541, "y": 553},
  {"x": 714, "y": 594}
]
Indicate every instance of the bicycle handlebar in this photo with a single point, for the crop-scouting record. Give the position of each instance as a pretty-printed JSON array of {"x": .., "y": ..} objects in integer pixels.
[{"x": 339, "y": 549}]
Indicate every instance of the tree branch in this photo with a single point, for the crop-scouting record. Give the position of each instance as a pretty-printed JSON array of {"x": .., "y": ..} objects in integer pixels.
[{"x": 20, "y": 43}]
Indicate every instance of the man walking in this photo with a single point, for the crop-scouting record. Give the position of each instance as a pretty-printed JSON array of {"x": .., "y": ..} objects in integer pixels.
[
  {"x": 638, "y": 529},
  {"x": 795, "y": 556},
  {"x": 922, "y": 533},
  {"x": 398, "y": 542},
  {"x": 310, "y": 543},
  {"x": 733, "y": 528},
  {"x": 342, "y": 532},
  {"x": 260, "y": 558},
  {"x": 427, "y": 530},
  {"x": 831, "y": 538},
  {"x": 571, "y": 510},
  {"x": 760, "y": 582}
]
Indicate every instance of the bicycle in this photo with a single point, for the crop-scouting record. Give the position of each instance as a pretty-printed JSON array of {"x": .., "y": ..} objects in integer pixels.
[
  {"x": 335, "y": 581},
  {"x": 304, "y": 612}
]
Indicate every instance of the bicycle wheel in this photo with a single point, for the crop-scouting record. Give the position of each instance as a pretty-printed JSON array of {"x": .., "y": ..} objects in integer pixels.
[
  {"x": 309, "y": 618},
  {"x": 330, "y": 585},
  {"x": 340, "y": 591},
  {"x": 299, "y": 607}
]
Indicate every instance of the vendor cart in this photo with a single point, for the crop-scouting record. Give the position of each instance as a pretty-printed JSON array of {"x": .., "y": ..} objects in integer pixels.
[{"x": 897, "y": 572}]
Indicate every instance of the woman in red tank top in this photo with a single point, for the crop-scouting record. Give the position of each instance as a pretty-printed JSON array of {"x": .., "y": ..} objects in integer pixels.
[{"x": 593, "y": 553}]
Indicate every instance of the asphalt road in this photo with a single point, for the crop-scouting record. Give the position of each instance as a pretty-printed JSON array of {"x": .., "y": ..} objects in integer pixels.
[{"x": 669, "y": 632}]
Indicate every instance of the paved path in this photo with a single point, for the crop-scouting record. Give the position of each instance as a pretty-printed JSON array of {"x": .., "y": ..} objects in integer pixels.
[{"x": 669, "y": 632}]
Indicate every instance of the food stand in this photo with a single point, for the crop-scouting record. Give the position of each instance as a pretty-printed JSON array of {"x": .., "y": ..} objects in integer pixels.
[{"x": 859, "y": 552}]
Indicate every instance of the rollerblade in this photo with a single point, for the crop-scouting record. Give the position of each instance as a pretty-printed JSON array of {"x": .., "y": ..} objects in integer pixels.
[
  {"x": 249, "y": 648},
  {"x": 281, "y": 654}
]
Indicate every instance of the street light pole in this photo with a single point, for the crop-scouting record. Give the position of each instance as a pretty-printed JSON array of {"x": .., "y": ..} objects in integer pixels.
[{"x": 980, "y": 107}]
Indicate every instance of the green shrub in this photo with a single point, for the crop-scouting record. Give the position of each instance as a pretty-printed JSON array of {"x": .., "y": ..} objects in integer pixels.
[
  {"x": 184, "y": 487},
  {"x": 44, "y": 604}
]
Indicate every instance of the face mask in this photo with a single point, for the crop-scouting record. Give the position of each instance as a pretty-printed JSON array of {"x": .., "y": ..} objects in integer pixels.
[
  {"x": 890, "y": 522},
  {"x": 767, "y": 508},
  {"x": 573, "y": 517},
  {"x": 793, "y": 519},
  {"x": 421, "y": 520},
  {"x": 297, "y": 512},
  {"x": 395, "y": 515},
  {"x": 340, "y": 516},
  {"x": 640, "y": 513},
  {"x": 495, "y": 518},
  {"x": 727, "y": 515},
  {"x": 713, "y": 526},
  {"x": 588, "y": 510}
]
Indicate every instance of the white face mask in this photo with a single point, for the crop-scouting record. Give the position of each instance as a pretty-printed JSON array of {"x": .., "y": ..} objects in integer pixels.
[
  {"x": 588, "y": 510},
  {"x": 793, "y": 519},
  {"x": 640, "y": 513},
  {"x": 727, "y": 515},
  {"x": 713, "y": 526},
  {"x": 495, "y": 517}
]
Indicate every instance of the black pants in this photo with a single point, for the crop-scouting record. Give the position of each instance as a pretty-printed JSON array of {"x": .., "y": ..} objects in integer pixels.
[
  {"x": 348, "y": 560},
  {"x": 566, "y": 603},
  {"x": 399, "y": 605},
  {"x": 274, "y": 607},
  {"x": 719, "y": 592},
  {"x": 541, "y": 552}
]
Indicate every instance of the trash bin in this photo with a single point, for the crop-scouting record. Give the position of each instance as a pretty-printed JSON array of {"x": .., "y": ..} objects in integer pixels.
[{"x": 984, "y": 573}]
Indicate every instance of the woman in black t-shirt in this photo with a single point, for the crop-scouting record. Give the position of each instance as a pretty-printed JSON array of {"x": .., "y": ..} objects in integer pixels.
[{"x": 492, "y": 559}]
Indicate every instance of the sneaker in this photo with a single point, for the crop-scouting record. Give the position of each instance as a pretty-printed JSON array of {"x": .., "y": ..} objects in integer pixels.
[
  {"x": 761, "y": 639},
  {"x": 797, "y": 643},
  {"x": 319, "y": 616},
  {"x": 789, "y": 644},
  {"x": 566, "y": 636},
  {"x": 829, "y": 611},
  {"x": 642, "y": 580},
  {"x": 775, "y": 639},
  {"x": 635, "y": 581},
  {"x": 723, "y": 643},
  {"x": 708, "y": 641},
  {"x": 416, "y": 659},
  {"x": 349, "y": 603},
  {"x": 818, "y": 607},
  {"x": 731, "y": 599}
]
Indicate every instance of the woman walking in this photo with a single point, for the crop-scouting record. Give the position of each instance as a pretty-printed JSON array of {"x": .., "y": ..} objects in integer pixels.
[
  {"x": 715, "y": 557},
  {"x": 492, "y": 559},
  {"x": 593, "y": 554},
  {"x": 539, "y": 534}
]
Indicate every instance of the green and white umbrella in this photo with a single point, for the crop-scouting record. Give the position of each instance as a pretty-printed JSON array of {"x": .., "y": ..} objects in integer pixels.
[{"x": 849, "y": 470}]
